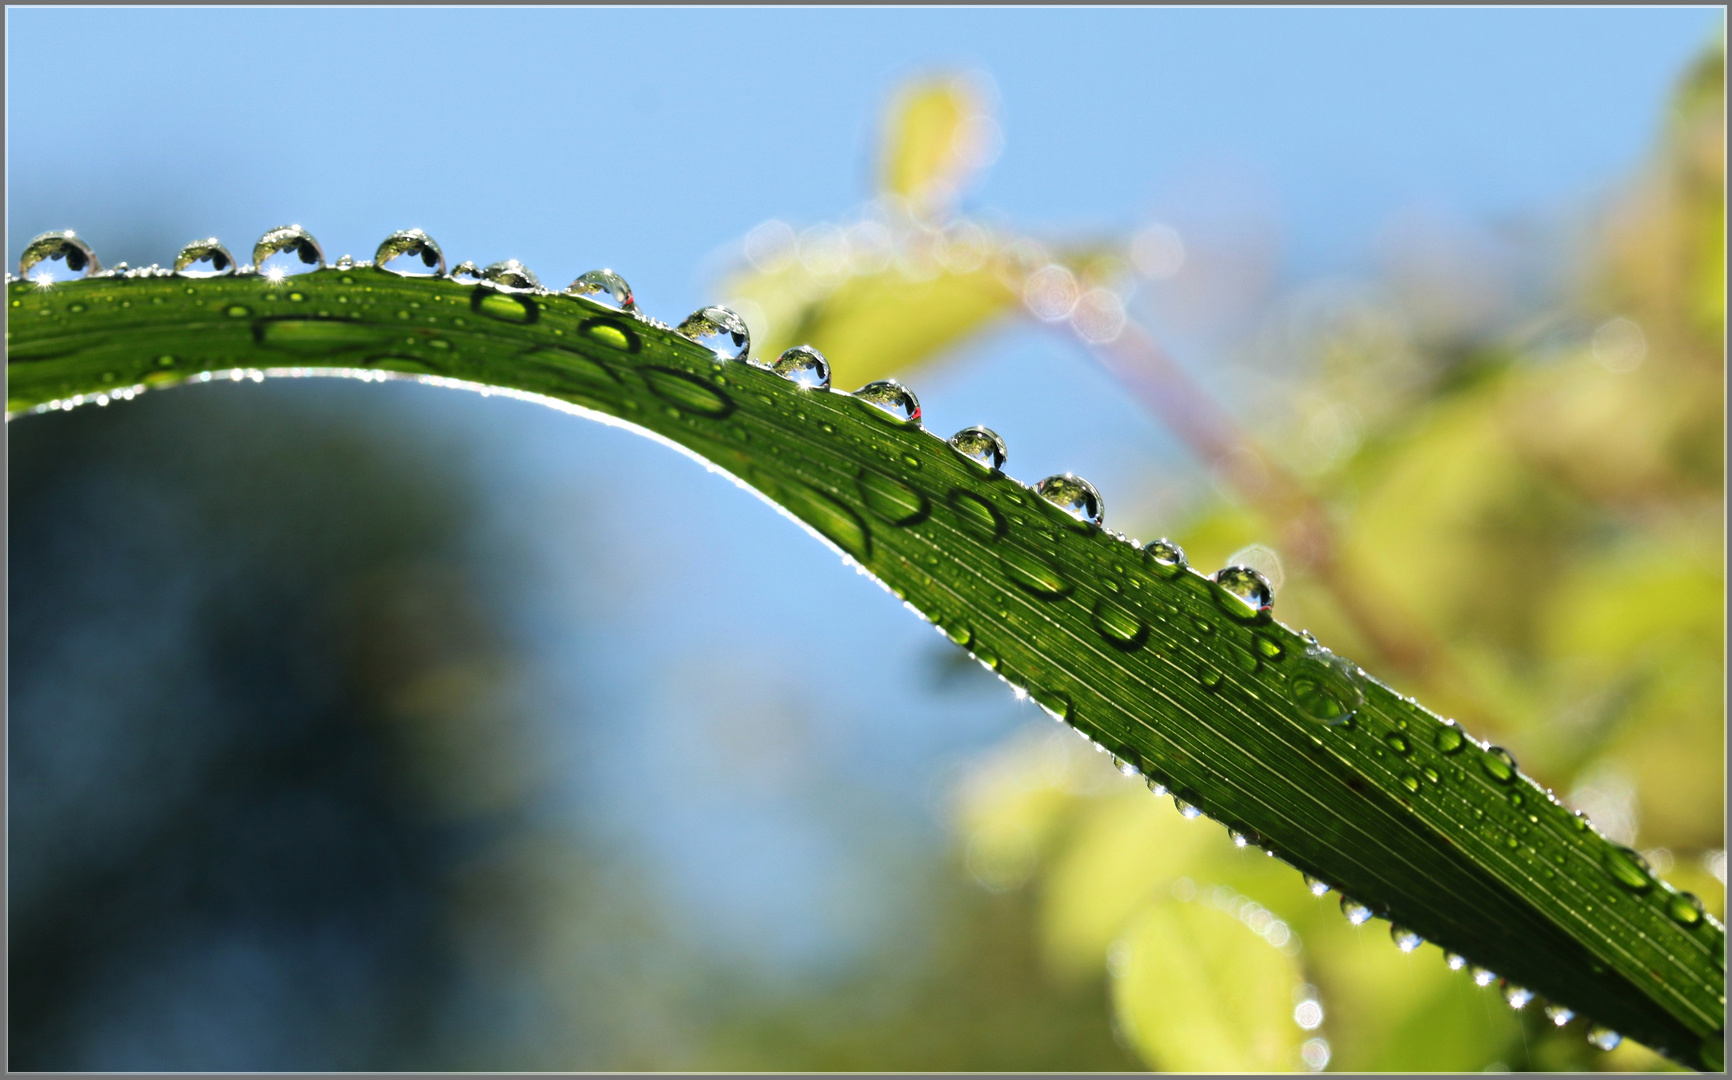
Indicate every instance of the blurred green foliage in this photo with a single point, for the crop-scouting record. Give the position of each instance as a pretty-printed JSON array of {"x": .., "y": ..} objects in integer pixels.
[{"x": 1537, "y": 502}]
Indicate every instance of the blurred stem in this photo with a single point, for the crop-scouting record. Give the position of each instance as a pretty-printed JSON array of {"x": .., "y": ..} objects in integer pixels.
[{"x": 1138, "y": 361}]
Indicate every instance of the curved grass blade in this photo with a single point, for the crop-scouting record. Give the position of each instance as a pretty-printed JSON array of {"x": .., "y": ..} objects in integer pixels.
[{"x": 1258, "y": 726}]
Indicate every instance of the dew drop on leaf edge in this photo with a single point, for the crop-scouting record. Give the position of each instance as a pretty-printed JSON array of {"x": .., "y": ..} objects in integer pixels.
[
  {"x": 412, "y": 245},
  {"x": 719, "y": 330},
  {"x": 63, "y": 245},
  {"x": 891, "y": 399},
  {"x": 209, "y": 250},
  {"x": 1075, "y": 496},
  {"x": 1245, "y": 593},
  {"x": 604, "y": 287},
  {"x": 981, "y": 445},
  {"x": 804, "y": 366},
  {"x": 288, "y": 240}
]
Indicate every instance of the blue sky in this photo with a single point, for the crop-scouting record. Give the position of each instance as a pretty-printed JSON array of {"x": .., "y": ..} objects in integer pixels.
[{"x": 651, "y": 141}]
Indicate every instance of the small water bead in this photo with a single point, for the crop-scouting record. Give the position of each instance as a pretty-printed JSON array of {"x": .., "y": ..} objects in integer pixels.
[
  {"x": 64, "y": 245},
  {"x": 804, "y": 366},
  {"x": 466, "y": 272},
  {"x": 1075, "y": 496},
  {"x": 1604, "y": 1037},
  {"x": 1186, "y": 809},
  {"x": 1398, "y": 742},
  {"x": 1318, "y": 888},
  {"x": 1167, "y": 558},
  {"x": 1247, "y": 593},
  {"x": 981, "y": 445},
  {"x": 346, "y": 262},
  {"x": 719, "y": 330},
  {"x": 509, "y": 275},
  {"x": 1209, "y": 677},
  {"x": 1357, "y": 914},
  {"x": 1268, "y": 647},
  {"x": 1456, "y": 961},
  {"x": 287, "y": 240},
  {"x": 604, "y": 287},
  {"x": 1156, "y": 787},
  {"x": 892, "y": 399},
  {"x": 1498, "y": 764},
  {"x": 1410, "y": 782},
  {"x": 411, "y": 245},
  {"x": 210, "y": 250},
  {"x": 1239, "y": 839},
  {"x": 1431, "y": 774},
  {"x": 1482, "y": 976},
  {"x": 1517, "y": 996},
  {"x": 1684, "y": 908},
  {"x": 1405, "y": 940},
  {"x": 1125, "y": 760},
  {"x": 1326, "y": 687},
  {"x": 1450, "y": 737},
  {"x": 1559, "y": 1015},
  {"x": 1627, "y": 868}
]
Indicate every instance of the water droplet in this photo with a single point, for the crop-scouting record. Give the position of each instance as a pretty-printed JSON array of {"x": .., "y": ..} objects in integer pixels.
[
  {"x": 1410, "y": 782},
  {"x": 604, "y": 287},
  {"x": 1033, "y": 574},
  {"x": 1405, "y": 940},
  {"x": 466, "y": 272},
  {"x": 1684, "y": 908},
  {"x": 1239, "y": 839},
  {"x": 346, "y": 262},
  {"x": 1431, "y": 774},
  {"x": 1269, "y": 647},
  {"x": 1398, "y": 742},
  {"x": 1456, "y": 961},
  {"x": 1318, "y": 888},
  {"x": 1517, "y": 996},
  {"x": 1209, "y": 677},
  {"x": 1357, "y": 914},
  {"x": 1166, "y": 557},
  {"x": 804, "y": 366},
  {"x": 1202, "y": 625},
  {"x": 1186, "y": 809},
  {"x": 63, "y": 245},
  {"x": 890, "y": 398},
  {"x": 719, "y": 330},
  {"x": 1056, "y": 705},
  {"x": 1449, "y": 737},
  {"x": 1515, "y": 798},
  {"x": 293, "y": 244},
  {"x": 1156, "y": 787},
  {"x": 981, "y": 445},
  {"x": 687, "y": 392},
  {"x": 410, "y": 245},
  {"x": 1243, "y": 593},
  {"x": 1326, "y": 687},
  {"x": 978, "y": 515},
  {"x": 509, "y": 275},
  {"x": 237, "y": 311},
  {"x": 832, "y": 519},
  {"x": 1627, "y": 868},
  {"x": 1604, "y": 1037},
  {"x": 1075, "y": 496},
  {"x": 1498, "y": 764},
  {"x": 209, "y": 250},
  {"x": 313, "y": 336},
  {"x": 1125, "y": 761},
  {"x": 891, "y": 499},
  {"x": 1122, "y": 629},
  {"x": 1559, "y": 1015},
  {"x": 1482, "y": 976}
]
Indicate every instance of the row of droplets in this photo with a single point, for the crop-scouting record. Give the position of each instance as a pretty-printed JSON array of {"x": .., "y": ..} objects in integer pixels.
[{"x": 717, "y": 328}]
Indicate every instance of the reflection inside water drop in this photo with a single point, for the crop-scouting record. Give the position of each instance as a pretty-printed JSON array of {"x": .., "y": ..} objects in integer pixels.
[
  {"x": 892, "y": 399},
  {"x": 719, "y": 330},
  {"x": 209, "y": 250},
  {"x": 981, "y": 445},
  {"x": 804, "y": 366},
  {"x": 285, "y": 250},
  {"x": 604, "y": 287},
  {"x": 405, "y": 248},
  {"x": 1075, "y": 496},
  {"x": 64, "y": 245}
]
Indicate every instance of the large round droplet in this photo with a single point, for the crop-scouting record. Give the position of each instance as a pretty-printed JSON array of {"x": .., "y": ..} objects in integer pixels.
[
  {"x": 1033, "y": 573},
  {"x": 1559, "y": 1015},
  {"x": 509, "y": 275},
  {"x": 1627, "y": 868},
  {"x": 1517, "y": 996},
  {"x": 1604, "y": 1037},
  {"x": 1243, "y": 594},
  {"x": 406, "y": 247},
  {"x": 1405, "y": 940},
  {"x": 1498, "y": 764},
  {"x": 286, "y": 249},
  {"x": 719, "y": 330},
  {"x": 1075, "y": 496},
  {"x": 1684, "y": 908},
  {"x": 1357, "y": 914},
  {"x": 1325, "y": 687},
  {"x": 981, "y": 445},
  {"x": 890, "y": 499},
  {"x": 804, "y": 366},
  {"x": 1450, "y": 737},
  {"x": 604, "y": 287},
  {"x": 1166, "y": 557},
  {"x": 1122, "y": 629},
  {"x": 1317, "y": 888},
  {"x": 209, "y": 250},
  {"x": 891, "y": 399},
  {"x": 64, "y": 245}
]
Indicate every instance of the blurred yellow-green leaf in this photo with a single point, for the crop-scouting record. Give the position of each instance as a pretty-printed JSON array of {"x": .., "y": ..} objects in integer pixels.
[{"x": 1196, "y": 990}]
